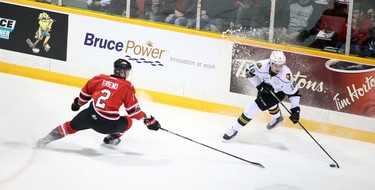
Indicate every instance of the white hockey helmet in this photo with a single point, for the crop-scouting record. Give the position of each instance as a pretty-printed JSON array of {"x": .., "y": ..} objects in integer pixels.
[{"x": 277, "y": 57}]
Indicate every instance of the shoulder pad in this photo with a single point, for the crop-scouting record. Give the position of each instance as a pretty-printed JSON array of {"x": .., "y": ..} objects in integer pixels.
[{"x": 287, "y": 74}]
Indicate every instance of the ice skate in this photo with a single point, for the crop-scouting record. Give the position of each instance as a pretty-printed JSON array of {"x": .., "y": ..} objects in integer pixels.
[
  {"x": 110, "y": 140},
  {"x": 230, "y": 134},
  {"x": 275, "y": 122},
  {"x": 52, "y": 136},
  {"x": 44, "y": 141}
]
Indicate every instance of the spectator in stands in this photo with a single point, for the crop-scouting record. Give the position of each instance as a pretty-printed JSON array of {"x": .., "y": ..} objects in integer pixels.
[
  {"x": 371, "y": 44},
  {"x": 189, "y": 16},
  {"x": 332, "y": 19},
  {"x": 371, "y": 41},
  {"x": 302, "y": 18},
  {"x": 250, "y": 14},
  {"x": 177, "y": 13},
  {"x": 158, "y": 10},
  {"x": 282, "y": 13},
  {"x": 371, "y": 14},
  {"x": 339, "y": 9},
  {"x": 361, "y": 32},
  {"x": 98, "y": 5},
  {"x": 118, "y": 7},
  {"x": 217, "y": 14}
]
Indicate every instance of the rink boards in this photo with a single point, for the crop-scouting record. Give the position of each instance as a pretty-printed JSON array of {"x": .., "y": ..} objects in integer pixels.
[{"x": 186, "y": 68}]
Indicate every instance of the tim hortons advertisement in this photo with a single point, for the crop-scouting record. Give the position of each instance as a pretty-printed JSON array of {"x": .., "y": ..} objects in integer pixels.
[
  {"x": 33, "y": 31},
  {"x": 324, "y": 83}
]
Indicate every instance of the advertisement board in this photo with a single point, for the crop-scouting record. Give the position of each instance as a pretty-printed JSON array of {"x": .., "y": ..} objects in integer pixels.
[
  {"x": 171, "y": 64},
  {"x": 324, "y": 83},
  {"x": 155, "y": 54},
  {"x": 33, "y": 31}
]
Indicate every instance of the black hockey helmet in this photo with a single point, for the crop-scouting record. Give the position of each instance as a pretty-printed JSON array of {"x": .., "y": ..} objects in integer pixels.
[{"x": 121, "y": 64}]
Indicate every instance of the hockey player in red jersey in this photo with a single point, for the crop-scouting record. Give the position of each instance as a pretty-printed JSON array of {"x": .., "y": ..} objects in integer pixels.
[{"x": 108, "y": 93}]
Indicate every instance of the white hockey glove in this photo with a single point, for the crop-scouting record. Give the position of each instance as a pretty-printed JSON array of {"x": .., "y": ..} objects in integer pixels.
[{"x": 250, "y": 70}]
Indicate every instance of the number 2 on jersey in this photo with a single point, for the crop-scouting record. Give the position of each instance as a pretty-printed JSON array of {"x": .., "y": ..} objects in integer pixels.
[{"x": 101, "y": 100}]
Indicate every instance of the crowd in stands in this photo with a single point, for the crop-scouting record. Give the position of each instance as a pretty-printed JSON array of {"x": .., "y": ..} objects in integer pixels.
[
  {"x": 362, "y": 40},
  {"x": 312, "y": 23},
  {"x": 115, "y": 7}
]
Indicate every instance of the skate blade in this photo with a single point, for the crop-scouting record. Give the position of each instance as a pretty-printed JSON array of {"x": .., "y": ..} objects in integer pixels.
[{"x": 109, "y": 146}]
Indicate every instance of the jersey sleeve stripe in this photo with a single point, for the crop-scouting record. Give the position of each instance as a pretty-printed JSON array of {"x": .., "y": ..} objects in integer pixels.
[{"x": 132, "y": 107}]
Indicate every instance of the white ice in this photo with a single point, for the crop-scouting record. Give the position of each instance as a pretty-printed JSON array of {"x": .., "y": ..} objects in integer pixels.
[{"x": 155, "y": 160}]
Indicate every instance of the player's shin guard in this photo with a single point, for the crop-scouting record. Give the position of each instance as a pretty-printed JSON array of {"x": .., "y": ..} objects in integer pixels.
[
  {"x": 57, "y": 133},
  {"x": 277, "y": 117},
  {"x": 241, "y": 122}
]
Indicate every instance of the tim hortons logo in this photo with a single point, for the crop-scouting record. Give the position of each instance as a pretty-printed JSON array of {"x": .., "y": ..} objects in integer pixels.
[
  {"x": 303, "y": 82},
  {"x": 355, "y": 93}
]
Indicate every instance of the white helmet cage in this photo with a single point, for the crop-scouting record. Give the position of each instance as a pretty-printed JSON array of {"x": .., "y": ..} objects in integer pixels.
[{"x": 278, "y": 58}]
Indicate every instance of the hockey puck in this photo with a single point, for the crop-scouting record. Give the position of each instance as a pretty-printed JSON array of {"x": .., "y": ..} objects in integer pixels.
[{"x": 332, "y": 165}]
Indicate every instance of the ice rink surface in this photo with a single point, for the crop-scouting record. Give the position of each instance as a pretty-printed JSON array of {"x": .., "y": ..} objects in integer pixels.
[{"x": 158, "y": 160}]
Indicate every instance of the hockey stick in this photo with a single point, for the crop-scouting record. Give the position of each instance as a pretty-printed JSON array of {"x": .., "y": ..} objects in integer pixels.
[
  {"x": 32, "y": 45},
  {"x": 254, "y": 163},
  {"x": 336, "y": 164}
]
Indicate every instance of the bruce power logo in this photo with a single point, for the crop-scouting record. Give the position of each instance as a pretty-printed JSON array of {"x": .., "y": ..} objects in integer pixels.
[{"x": 6, "y": 27}]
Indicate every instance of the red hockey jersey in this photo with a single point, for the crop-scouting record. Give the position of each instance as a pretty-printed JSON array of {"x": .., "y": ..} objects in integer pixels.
[{"x": 108, "y": 94}]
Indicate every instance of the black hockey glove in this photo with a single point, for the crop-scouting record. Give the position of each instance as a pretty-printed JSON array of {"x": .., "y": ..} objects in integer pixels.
[
  {"x": 294, "y": 116},
  {"x": 265, "y": 88},
  {"x": 152, "y": 123},
  {"x": 75, "y": 106}
]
